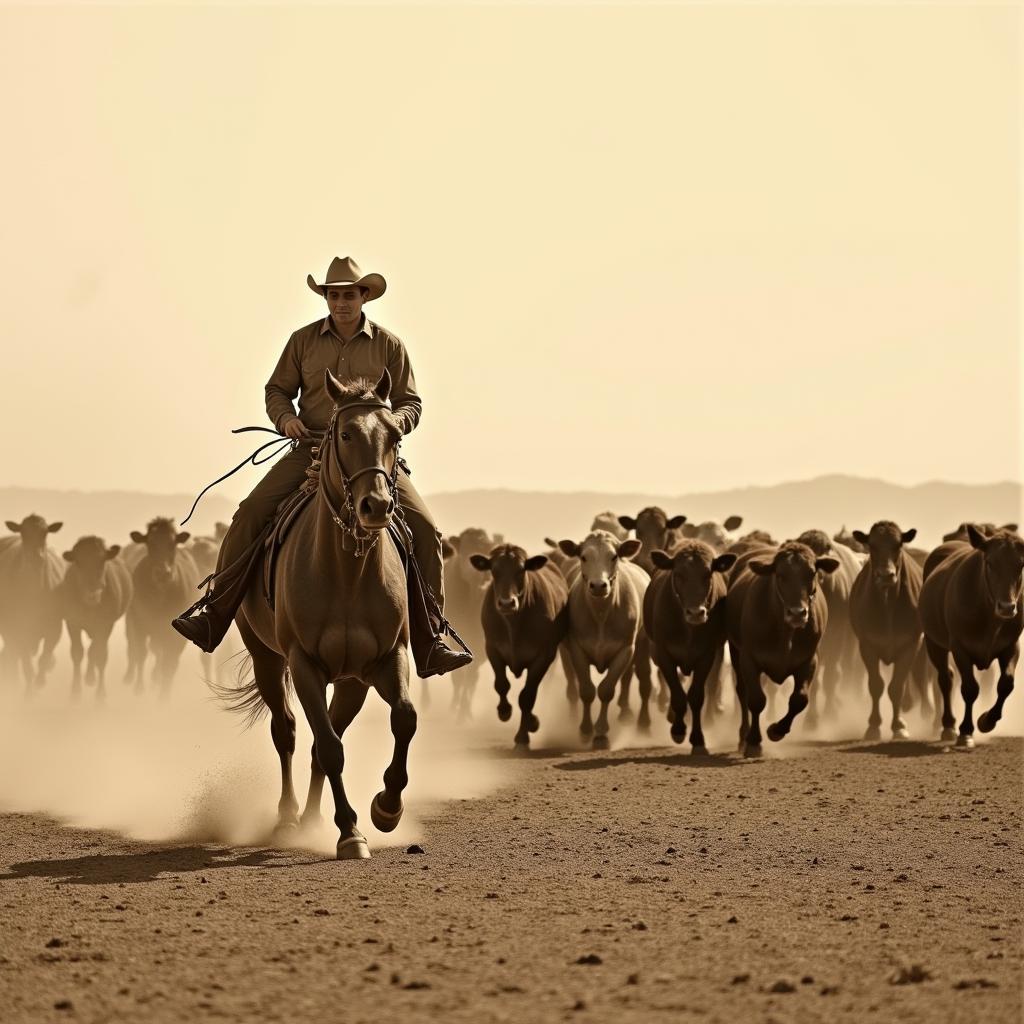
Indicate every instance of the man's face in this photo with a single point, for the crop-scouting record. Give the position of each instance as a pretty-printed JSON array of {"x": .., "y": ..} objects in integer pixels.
[{"x": 345, "y": 304}]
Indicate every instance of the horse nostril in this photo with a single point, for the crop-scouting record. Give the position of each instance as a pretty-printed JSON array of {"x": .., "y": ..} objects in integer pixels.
[{"x": 366, "y": 507}]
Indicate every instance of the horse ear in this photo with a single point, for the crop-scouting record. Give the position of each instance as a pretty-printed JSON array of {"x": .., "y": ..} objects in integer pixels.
[
  {"x": 628, "y": 522},
  {"x": 976, "y": 537},
  {"x": 762, "y": 568},
  {"x": 724, "y": 562},
  {"x": 481, "y": 562},
  {"x": 139, "y": 538},
  {"x": 660, "y": 559},
  {"x": 113, "y": 551},
  {"x": 13, "y": 526},
  {"x": 383, "y": 388},
  {"x": 333, "y": 387},
  {"x": 568, "y": 547},
  {"x": 54, "y": 527},
  {"x": 629, "y": 548},
  {"x": 675, "y": 522},
  {"x": 733, "y": 523}
]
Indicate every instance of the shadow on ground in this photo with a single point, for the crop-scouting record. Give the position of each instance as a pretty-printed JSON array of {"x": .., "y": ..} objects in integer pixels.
[
  {"x": 898, "y": 748},
  {"x": 695, "y": 761}
]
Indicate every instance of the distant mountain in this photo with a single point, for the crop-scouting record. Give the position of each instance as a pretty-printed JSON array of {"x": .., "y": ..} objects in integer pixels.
[
  {"x": 826, "y": 502},
  {"x": 110, "y": 514}
]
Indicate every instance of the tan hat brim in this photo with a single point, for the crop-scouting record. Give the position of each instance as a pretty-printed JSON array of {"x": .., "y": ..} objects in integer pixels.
[{"x": 373, "y": 283}]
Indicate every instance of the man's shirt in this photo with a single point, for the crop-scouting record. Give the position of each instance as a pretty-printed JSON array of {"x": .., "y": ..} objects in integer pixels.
[{"x": 317, "y": 347}]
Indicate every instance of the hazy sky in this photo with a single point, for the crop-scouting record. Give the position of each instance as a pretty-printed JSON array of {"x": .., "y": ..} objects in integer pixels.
[{"x": 662, "y": 248}]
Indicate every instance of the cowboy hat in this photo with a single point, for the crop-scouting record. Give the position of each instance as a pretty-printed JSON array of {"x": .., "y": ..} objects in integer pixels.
[{"x": 346, "y": 271}]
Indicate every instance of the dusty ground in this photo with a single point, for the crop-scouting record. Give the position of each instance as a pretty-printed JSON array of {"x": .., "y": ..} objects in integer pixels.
[{"x": 635, "y": 885}]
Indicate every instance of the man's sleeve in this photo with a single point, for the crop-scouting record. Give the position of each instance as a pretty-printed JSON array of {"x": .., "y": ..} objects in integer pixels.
[
  {"x": 405, "y": 400},
  {"x": 283, "y": 387}
]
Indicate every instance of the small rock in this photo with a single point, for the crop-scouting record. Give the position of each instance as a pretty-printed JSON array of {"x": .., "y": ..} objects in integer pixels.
[
  {"x": 976, "y": 983},
  {"x": 63, "y": 1004},
  {"x": 321, "y": 912},
  {"x": 671, "y": 849},
  {"x": 633, "y": 979},
  {"x": 806, "y": 980},
  {"x": 912, "y": 975},
  {"x": 415, "y": 848},
  {"x": 590, "y": 958},
  {"x": 491, "y": 896},
  {"x": 639, "y": 927},
  {"x": 413, "y": 986},
  {"x": 783, "y": 986},
  {"x": 55, "y": 943},
  {"x": 829, "y": 990},
  {"x": 740, "y": 979},
  {"x": 733, "y": 920},
  {"x": 579, "y": 1005}
]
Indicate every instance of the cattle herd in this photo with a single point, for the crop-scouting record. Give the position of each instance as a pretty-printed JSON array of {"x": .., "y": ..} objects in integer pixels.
[{"x": 699, "y": 616}]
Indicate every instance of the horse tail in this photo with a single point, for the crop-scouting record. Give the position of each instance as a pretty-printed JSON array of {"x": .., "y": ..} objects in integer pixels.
[{"x": 244, "y": 697}]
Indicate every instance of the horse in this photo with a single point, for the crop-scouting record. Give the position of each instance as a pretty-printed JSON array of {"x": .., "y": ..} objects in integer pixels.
[{"x": 339, "y": 615}]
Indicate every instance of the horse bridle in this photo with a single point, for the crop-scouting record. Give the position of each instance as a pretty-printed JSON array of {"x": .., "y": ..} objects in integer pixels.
[{"x": 345, "y": 518}]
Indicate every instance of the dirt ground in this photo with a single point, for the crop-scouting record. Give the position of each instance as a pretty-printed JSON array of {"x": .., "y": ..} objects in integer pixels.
[{"x": 843, "y": 881}]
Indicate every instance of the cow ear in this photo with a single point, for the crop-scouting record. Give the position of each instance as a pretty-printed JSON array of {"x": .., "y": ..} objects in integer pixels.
[
  {"x": 568, "y": 547},
  {"x": 139, "y": 538},
  {"x": 551, "y": 542},
  {"x": 453, "y": 542},
  {"x": 689, "y": 531},
  {"x": 383, "y": 388},
  {"x": 826, "y": 565},
  {"x": 733, "y": 523},
  {"x": 113, "y": 551},
  {"x": 629, "y": 548},
  {"x": 536, "y": 562},
  {"x": 861, "y": 536},
  {"x": 67, "y": 556},
  {"x": 13, "y": 526},
  {"x": 481, "y": 562},
  {"x": 724, "y": 562},
  {"x": 182, "y": 537},
  {"x": 761, "y": 568},
  {"x": 1012, "y": 527},
  {"x": 908, "y": 535},
  {"x": 675, "y": 522},
  {"x": 661, "y": 559},
  {"x": 626, "y": 521},
  {"x": 333, "y": 387},
  {"x": 447, "y": 551},
  {"x": 977, "y": 538},
  {"x": 54, "y": 527}
]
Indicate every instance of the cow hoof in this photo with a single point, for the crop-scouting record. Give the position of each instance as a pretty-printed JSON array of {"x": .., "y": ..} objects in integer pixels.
[
  {"x": 600, "y": 743},
  {"x": 353, "y": 848},
  {"x": 901, "y": 732},
  {"x": 625, "y": 715},
  {"x": 775, "y": 732},
  {"x": 753, "y": 750},
  {"x": 533, "y": 724},
  {"x": 643, "y": 725},
  {"x": 700, "y": 751},
  {"x": 586, "y": 728},
  {"x": 522, "y": 746},
  {"x": 965, "y": 742},
  {"x": 948, "y": 735},
  {"x": 504, "y": 712},
  {"x": 987, "y": 721},
  {"x": 678, "y": 737},
  {"x": 385, "y": 821},
  {"x": 873, "y": 734}
]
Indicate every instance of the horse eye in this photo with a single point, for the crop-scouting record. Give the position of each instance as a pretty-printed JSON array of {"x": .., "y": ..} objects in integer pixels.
[{"x": 345, "y": 437}]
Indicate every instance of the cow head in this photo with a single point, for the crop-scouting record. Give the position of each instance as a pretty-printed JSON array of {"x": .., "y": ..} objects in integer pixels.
[
  {"x": 89, "y": 556},
  {"x": 885, "y": 543},
  {"x": 600, "y": 554},
  {"x": 508, "y": 565},
  {"x": 162, "y": 539},
  {"x": 654, "y": 529},
  {"x": 817, "y": 540},
  {"x": 204, "y": 550},
  {"x": 715, "y": 534},
  {"x": 34, "y": 531},
  {"x": 609, "y": 521},
  {"x": 472, "y": 541},
  {"x": 693, "y": 566},
  {"x": 795, "y": 570},
  {"x": 1004, "y": 566}
]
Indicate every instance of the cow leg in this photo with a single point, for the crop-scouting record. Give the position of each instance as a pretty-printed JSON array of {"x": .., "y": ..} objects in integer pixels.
[
  {"x": 501, "y": 684},
  {"x": 569, "y": 671},
  {"x": 391, "y": 680},
  {"x": 99, "y": 651},
  {"x": 815, "y": 698},
  {"x": 741, "y": 696},
  {"x": 310, "y": 687},
  {"x": 625, "y": 711},
  {"x": 77, "y": 653},
  {"x": 750, "y": 680},
  {"x": 897, "y": 685},
  {"x": 677, "y": 696},
  {"x": 642, "y": 668},
  {"x": 1007, "y": 666},
  {"x": 701, "y": 672},
  {"x": 606, "y": 693},
  {"x": 803, "y": 679},
  {"x": 47, "y": 660},
  {"x": 346, "y": 703},
  {"x": 463, "y": 680},
  {"x": 528, "y": 697},
  {"x": 939, "y": 657},
  {"x": 580, "y": 668},
  {"x": 969, "y": 691},
  {"x": 876, "y": 688}
]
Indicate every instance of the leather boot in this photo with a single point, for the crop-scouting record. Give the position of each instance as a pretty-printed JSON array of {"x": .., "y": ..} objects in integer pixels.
[
  {"x": 205, "y": 629},
  {"x": 427, "y": 627}
]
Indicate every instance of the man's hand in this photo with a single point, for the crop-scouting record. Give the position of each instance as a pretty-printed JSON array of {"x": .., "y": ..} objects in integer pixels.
[{"x": 295, "y": 429}]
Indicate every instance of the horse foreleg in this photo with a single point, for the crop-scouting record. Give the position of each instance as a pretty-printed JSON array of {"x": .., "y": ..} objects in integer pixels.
[{"x": 391, "y": 681}]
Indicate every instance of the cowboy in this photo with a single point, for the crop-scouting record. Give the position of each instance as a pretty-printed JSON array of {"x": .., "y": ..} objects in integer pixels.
[{"x": 350, "y": 345}]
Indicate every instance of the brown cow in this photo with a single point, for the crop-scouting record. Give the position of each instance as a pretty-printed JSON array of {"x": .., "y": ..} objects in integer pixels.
[
  {"x": 714, "y": 534},
  {"x": 525, "y": 617},
  {"x": 776, "y": 619},
  {"x": 30, "y": 618},
  {"x": 94, "y": 594},
  {"x": 164, "y": 580},
  {"x": 972, "y": 608},
  {"x": 986, "y": 529},
  {"x": 884, "y": 615},
  {"x": 685, "y": 620}
]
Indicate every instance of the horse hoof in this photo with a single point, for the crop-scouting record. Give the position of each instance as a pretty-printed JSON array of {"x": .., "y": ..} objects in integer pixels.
[
  {"x": 873, "y": 734},
  {"x": 534, "y": 723},
  {"x": 504, "y": 712},
  {"x": 384, "y": 821},
  {"x": 753, "y": 750},
  {"x": 353, "y": 848},
  {"x": 284, "y": 831},
  {"x": 700, "y": 751},
  {"x": 948, "y": 735},
  {"x": 987, "y": 721},
  {"x": 678, "y": 737},
  {"x": 965, "y": 742},
  {"x": 310, "y": 822},
  {"x": 775, "y": 732},
  {"x": 522, "y": 746},
  {"x": 901, "y": 732}
]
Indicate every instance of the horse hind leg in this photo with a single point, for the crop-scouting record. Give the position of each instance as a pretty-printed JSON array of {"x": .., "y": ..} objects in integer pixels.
[{"x": 391, "y": 681}]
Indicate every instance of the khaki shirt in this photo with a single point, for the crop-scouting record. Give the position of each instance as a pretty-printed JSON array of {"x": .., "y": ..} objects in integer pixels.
[{"x": 317, "y": 347}]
